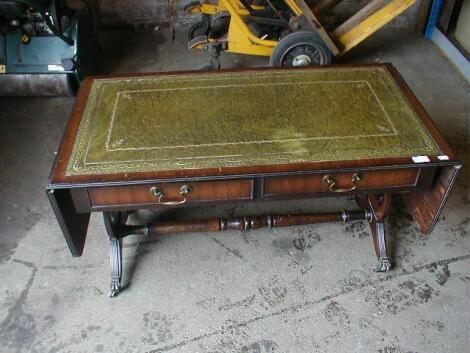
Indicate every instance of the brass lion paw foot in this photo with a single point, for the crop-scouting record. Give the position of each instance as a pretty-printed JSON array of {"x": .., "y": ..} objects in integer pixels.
[{"x": 384, "y": 265}]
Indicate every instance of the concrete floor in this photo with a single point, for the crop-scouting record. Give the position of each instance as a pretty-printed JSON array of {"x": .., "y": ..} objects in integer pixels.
[{"x": 299, "y": 289}]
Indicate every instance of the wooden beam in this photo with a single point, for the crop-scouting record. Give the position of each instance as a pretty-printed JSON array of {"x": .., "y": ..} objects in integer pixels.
[
  {"x": 360, "y": 16},
  {"x": 323, "y": 5},
  {"x": 367, "y": 21}
]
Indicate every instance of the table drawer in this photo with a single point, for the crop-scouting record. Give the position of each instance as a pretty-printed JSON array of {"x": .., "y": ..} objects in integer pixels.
[
  {"x": 341, "y": 182},
  {"x": 171, "y": 194}
]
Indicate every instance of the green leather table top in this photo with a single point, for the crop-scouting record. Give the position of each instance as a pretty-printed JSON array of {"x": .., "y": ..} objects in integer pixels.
[{"x": 188, "y": 121}]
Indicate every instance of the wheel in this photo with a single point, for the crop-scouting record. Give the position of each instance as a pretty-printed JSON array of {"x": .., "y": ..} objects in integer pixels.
[
  {"x": 200, "y": 28},
  {"x": 300, "y": 49},
  {"x": 219, "y": 25}
]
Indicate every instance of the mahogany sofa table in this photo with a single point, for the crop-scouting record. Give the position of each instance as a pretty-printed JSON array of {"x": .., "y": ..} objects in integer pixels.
[{"x": 163, "y": 140}]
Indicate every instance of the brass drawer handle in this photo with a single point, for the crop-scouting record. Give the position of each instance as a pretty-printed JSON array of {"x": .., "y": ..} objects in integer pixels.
[
  {"x": 328, "y": 179},
  {"x": 157, "y": 191}
]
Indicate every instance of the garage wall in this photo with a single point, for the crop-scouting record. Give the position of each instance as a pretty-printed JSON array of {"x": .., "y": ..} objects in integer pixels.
[
  {"x": 117, "y": 13},
  {"x": 145, "y": 13}
]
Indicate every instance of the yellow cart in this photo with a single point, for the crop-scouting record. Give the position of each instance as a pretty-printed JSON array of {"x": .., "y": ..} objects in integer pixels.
[{"x": 287, "y": 31}]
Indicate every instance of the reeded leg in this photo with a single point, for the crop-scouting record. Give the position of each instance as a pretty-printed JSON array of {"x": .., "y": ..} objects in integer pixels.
[
  {"x": 115, "y": 256},
  {"x": 379, "y": 205},
  {"x": 380, "y": 244},
  {"x": 112, "y": 222},
  {"x": 115, "y": 223}
]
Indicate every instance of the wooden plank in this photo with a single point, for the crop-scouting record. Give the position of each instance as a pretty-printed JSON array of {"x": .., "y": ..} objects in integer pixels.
[
  {"x": 367, "y": 21},
  {"x": 360, "y": 16},
  {"x": 318, "y": 26}
]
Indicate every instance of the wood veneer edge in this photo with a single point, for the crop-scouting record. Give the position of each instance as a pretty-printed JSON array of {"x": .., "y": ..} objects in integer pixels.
[
  {"x": 422, "y": 113},
  {"x": 66, "y": 143}
]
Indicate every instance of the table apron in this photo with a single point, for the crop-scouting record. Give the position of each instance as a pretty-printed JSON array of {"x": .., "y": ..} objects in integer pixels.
[{"x": 105, "y": 198}]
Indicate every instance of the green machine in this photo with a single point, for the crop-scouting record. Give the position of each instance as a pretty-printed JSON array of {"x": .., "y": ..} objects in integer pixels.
[{"x": 46, "y": 47}]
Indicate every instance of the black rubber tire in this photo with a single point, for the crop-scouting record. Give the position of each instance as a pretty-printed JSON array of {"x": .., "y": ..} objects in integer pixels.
[
  {"x": 302, "y": 42},
  {"x": 200, "y": 28},
  {"x": 219, "y": 26}
]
